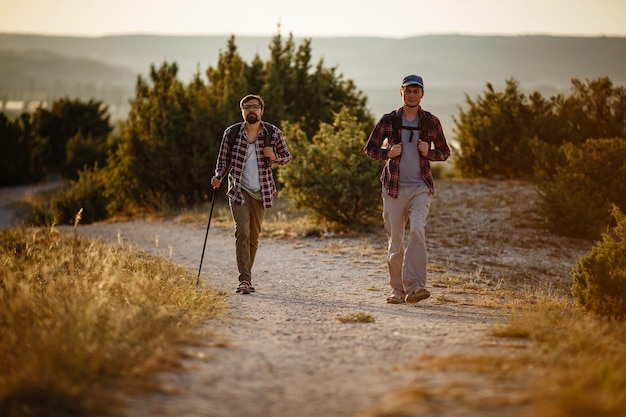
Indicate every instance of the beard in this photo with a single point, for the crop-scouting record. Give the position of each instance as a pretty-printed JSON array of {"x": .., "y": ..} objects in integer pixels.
[{"x": 252, "y": 118}]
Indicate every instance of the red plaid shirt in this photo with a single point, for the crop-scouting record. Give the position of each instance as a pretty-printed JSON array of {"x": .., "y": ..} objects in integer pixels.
[
  {"x": 433, "y": 134},
  {"x": 231, "y": 161}
]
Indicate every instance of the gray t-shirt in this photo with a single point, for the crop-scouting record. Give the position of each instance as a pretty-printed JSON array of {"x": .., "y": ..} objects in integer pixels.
[{"x": 410, "y": 171}]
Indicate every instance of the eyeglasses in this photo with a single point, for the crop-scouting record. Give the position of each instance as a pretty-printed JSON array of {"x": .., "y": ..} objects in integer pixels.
[{"x": 252, "y": 107}]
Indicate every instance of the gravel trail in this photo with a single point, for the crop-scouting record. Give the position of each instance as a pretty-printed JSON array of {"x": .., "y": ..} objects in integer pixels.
[{"x": 282, "y": 351}]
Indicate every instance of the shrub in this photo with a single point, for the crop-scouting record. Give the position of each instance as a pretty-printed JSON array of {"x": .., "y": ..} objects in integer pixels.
[
  {"x": 497, "y": 130},
  {"x": 65, "y": 119},
  {"x": 83, "y": 151},
  {"x": 162, "y": 158},
  {"x": 578, "y": 199},
  {"x": 599, "y": 279},
  {"x": 329, "y": 175},
  {"x": 88, "y": 193},
  {"x": 494, "y": 131},
  {"x": 23, "y": 152}
]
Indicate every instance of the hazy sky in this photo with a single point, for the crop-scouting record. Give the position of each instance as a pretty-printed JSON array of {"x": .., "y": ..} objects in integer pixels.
[{"x": 396, "y": 18}]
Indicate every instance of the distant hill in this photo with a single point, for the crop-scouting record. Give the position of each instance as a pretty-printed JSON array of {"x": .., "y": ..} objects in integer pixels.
[
  {"x": 452, "y": 65},
  {"x": 35, "y": 72}
]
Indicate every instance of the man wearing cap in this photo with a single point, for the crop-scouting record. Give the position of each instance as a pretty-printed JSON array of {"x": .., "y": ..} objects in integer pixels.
[{"x": 407, "y": 139}]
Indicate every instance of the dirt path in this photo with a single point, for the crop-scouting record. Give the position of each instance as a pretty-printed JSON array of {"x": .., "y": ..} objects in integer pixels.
[
  {"x": 286, "y": 353},
  {"x": 10, "y": 198},
  {"x": 282, "y": 351}
]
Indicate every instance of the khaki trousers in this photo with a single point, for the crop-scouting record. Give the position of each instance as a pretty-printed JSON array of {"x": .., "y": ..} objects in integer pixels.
[
  {"x": 248, "y": 220},
  {"x": 407, "y": 264}
]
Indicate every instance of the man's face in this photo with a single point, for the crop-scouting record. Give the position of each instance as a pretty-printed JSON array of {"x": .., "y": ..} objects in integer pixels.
[
  {"x": 252, "y": 111},
  {"x": 412, "y": 95}
]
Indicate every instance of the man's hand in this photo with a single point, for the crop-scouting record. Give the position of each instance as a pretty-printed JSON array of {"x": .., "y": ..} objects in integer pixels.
[
  {"x": 423, "y": 147},
  {"x": 394, "y": 151},
  {"x": 268, "y": 151},
  {"x": 215, "y": 182}
]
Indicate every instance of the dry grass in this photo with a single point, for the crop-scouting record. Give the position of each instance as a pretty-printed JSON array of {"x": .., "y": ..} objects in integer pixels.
[
  {"x": 584, "y": 356},
  {"x": 359, "y": 317},
  {"x": 78, "y": 317},
  {"x": 553, "y": 360}
]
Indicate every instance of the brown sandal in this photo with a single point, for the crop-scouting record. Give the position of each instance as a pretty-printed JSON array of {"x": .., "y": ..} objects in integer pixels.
[
  {"x": 395, "y": 300},
  {"x": 245, "y": 287}
]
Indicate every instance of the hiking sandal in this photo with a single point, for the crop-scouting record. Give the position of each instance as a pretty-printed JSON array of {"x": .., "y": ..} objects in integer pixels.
[
  {"x": 245, "y": 287},
  {"x": 395, "y": 300},
  {"x": 417, "y": 296}
]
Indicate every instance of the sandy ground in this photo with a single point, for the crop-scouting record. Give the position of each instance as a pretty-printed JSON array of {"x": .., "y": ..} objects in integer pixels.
[{"x": 282, "y": 352}]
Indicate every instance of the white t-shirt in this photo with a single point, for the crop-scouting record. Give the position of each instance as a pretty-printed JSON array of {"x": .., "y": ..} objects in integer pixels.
[{"x": 250, "y": 178}]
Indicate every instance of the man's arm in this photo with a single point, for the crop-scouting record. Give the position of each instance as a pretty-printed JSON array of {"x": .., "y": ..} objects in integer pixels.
[
  {"x": 223, "y": 163},
  {"x": 283, "y": 155},
  {"x": 373, "y": 148},
  {"x": 441, "y": 151}
]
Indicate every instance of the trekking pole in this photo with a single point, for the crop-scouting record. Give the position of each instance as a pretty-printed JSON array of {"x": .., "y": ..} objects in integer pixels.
[{"x": 206, "y": 235}]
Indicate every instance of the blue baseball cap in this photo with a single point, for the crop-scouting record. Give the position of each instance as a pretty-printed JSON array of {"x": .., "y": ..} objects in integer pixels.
[{"x": 412, "y": 80}]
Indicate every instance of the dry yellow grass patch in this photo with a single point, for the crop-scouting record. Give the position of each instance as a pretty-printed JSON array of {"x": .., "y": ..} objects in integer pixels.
[
  {"x": 359, "y": 317},
  {"x": 554, "y": 361},
  {"x": 78, "y": 317}
]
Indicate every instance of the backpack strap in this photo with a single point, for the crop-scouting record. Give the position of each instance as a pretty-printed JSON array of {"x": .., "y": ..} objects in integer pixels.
[
  {"x": 425, "y": 124},
  {"x": 270, "y": 132},
  {"x": 232, "y": 135},
  {"x": 396, "y": 127},
  {"x": 268, "y": 140}
]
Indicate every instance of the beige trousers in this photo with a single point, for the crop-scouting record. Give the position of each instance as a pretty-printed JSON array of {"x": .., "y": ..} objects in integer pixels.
[
  {"x": 407, "y": 263},
  {"x": 248, "y": 220}
]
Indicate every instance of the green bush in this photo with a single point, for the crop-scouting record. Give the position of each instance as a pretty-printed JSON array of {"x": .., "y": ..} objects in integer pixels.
[
  {"x": 599, "y": 279},
  {"x": 88, "y": 194},
  {"x": 497, "y": 130},
  {"x": 329, "y": 175},
  {"x": 592, "y": 177},
  {"x": 23, "y": 152},
  {"x": 83, "y": 151},
  {"x": 65, "y": 119},
  {"x": 494, "y": 131}
]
